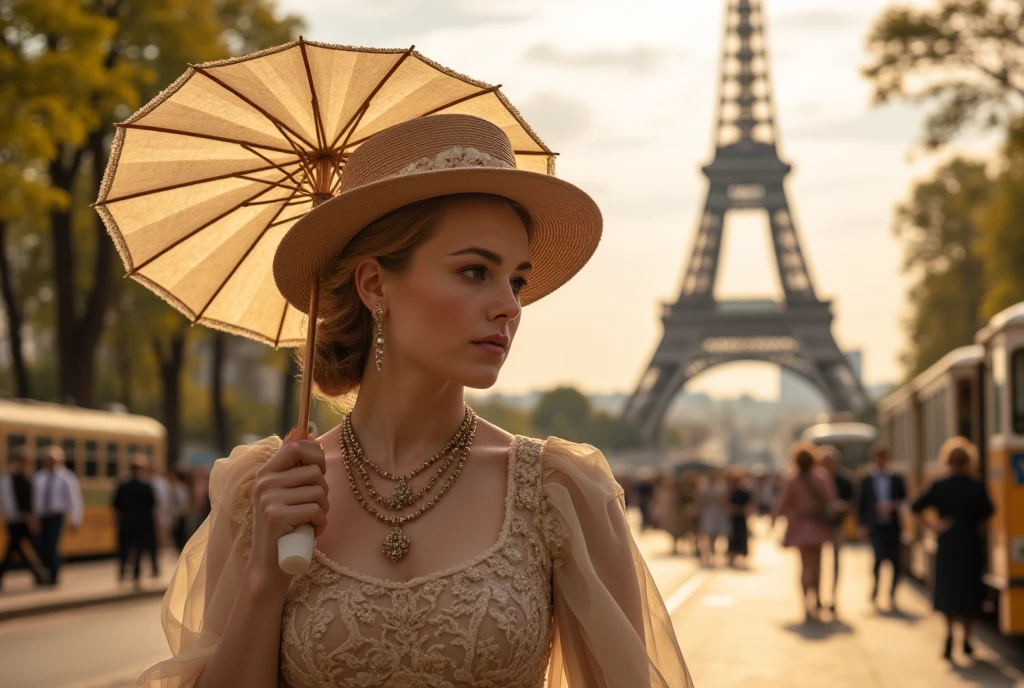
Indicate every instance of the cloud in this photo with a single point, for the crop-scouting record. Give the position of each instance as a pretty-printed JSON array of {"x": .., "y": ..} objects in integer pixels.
[
  {"x": 558, "y": 118},
  {"x": 383, "y": 22},
  {"x": 818, "y": 20},
  {"x": 639, "y": 59}
]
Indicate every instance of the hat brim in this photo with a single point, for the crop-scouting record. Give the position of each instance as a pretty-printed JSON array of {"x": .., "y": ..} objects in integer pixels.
[{"x": 567, "y": 224}]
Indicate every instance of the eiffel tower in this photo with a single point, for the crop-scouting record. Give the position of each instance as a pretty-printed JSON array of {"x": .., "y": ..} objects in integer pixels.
[{"x": 701, "y": 332}]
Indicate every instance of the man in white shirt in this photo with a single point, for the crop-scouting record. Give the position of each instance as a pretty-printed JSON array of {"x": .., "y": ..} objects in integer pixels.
[{"x": 57, "y": 499}]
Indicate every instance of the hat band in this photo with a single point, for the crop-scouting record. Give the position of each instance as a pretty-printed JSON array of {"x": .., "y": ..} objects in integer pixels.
[{"x": 455, "y": 157}]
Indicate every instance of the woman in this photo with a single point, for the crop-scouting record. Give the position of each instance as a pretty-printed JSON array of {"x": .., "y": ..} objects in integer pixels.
[
  {"x": 448, "y": 552},
  {"x": 740, "y": 499},
  {"x": 712, "y": 504},
  {"x": 962, "y": 504},
  {"x": 805, "y": 503}
]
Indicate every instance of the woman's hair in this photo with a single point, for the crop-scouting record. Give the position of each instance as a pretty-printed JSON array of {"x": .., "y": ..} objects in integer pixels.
[
  {"x": 345, "y": 327},
  {"x": 959, "y": 454},
  {"x": 803, "y": 455}
]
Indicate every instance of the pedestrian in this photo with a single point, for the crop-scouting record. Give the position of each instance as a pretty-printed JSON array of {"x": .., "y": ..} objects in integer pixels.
[
  {"x": 882, "y": 493},
  {"x": 713, "y": 509},
  {"x": 179, "y": 506},
  {"x": 57, "y": 499},
  {"x": 842, "y": 506},
  {"x": 740, "y": 508},
  {"x": 962, "y": 505},
  {"x": 151, "y": 539},
  {"x": 803, "y": 502},
  {"x": 22, "y": 524},
  {"x": 135, "y": 505}
]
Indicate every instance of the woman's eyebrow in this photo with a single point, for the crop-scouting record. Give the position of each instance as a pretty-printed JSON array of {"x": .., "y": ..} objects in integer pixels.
[{"x": 490, "y": 255}]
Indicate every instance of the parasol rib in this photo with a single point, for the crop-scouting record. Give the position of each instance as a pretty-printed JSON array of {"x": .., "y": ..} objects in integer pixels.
[
  {"x": 211, "y": 137},
  {"x": 248, "y": 101},
  {"x": 280, "y": 325},
  {"x": 180, "y": 185},
  {"x": 286, "y": 220},
  {"x": 353, "y": 122},
  {"x": 318, "y": 123},
  {"x": 136, "y": 268},
  {"x": 302, "y": 154},
  {"x": 244, "y": 256},
  {"x": 257, "y": 153},
  {"x": 273, "y": 184}
]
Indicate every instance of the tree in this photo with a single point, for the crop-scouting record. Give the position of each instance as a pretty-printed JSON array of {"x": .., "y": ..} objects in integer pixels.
[
  {"x": 1001, "y": 248},
  {"x": 940, "y": 233},
  {"x": 504, "y": 415},
  {"x": 563, "y": 411},
  {"x": 219, "y": 414},
  {"x": 967, "y": 56}
]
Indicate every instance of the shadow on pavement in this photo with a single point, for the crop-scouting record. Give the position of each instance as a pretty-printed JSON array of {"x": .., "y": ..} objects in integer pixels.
[
  {"x": 818, "y": 630},
  {"x": 898, "y": 615},
  {"x": 984, "y": 674}
]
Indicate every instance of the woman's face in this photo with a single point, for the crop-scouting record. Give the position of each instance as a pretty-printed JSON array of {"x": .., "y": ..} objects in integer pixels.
[{"x": 455, "y": 311}]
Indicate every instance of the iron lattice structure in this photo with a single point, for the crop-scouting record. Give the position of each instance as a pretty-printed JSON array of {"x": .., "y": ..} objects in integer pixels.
[{"x": 746, "y": 173}]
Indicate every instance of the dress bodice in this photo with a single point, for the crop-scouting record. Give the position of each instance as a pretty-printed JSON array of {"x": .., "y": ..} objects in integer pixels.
[{"x": 485, "y": 622}]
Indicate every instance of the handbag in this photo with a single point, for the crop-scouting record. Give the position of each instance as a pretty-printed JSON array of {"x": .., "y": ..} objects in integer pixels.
[{"x": 826, "y": 513}]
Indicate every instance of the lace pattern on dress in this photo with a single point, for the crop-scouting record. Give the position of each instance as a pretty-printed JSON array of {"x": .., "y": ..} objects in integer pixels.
[{"x": 486, "y": 622}]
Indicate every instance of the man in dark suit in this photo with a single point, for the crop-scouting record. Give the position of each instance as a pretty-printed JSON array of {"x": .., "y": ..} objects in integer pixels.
[
  {"x": 882, "y": 492},
  {"x": 135, "y": 504}
]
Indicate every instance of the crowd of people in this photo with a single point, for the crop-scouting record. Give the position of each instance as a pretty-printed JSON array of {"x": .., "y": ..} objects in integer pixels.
[
  {"x": 818, "y": 498},
  {"x": 150, "y": 510}
]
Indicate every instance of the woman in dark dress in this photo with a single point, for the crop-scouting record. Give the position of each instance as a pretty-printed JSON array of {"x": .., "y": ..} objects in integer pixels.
[
  {"x": 963, "y": 506},
  {"x": 740, "y": 499}
]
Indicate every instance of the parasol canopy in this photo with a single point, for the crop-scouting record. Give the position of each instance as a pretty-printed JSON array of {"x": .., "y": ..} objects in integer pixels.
[{"x": 205, "y": 180}]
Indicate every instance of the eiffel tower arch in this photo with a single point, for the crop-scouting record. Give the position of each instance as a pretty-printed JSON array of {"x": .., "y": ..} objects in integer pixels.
[{"x": 701, "y": 332}]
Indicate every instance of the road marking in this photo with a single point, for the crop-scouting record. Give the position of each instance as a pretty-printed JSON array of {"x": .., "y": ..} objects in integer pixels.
[{"x": 685, "y": 591}]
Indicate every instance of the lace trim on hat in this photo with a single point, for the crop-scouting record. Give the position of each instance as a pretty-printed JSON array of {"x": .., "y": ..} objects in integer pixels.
[{"x": 453, "y": 158}]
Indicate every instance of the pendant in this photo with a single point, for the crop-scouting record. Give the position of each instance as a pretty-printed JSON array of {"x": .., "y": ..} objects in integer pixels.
[
  {"x": 403, "y": 494},
  {"x": 395, "y": 544}
]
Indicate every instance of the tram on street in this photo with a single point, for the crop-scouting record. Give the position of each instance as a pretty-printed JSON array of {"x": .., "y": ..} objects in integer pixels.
[
  {"x": 976, "y": 392},
  {"x": 98, "y": 446}
]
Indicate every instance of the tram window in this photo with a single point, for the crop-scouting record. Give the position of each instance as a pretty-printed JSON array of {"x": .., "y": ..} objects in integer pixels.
[
  {"x": 132, "y": 449},
  {"x": 70, "y": 454},
  {"x": 91, "y": 468},
  {"x": 13, "y": 442},
  {"x": 42, "y": 442},
  {"x": 148, "y": 451},
  {"x": 998, "y": 381},
  {"x": 113, "y": 459},
  {"x": 1017, "y": 366}
]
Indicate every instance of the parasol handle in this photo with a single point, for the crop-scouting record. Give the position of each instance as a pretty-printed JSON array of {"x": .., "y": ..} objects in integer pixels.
[{"x": 295, "y": 550}]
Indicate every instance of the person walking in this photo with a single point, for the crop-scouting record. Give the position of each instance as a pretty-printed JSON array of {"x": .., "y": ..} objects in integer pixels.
[
  {"x": 882, "y": 493},
  {"x": 713, "y": 508},
  {"x": 58, "y": 502},
  {"x": 804, "y": 502},
  {"x": 842, "y": 506},
  {"x": 22, "y": 524},
  {"x": 962, "y": 505},
  {"x": 740, "y": 508},
  {"x": 134, "y": 503}
]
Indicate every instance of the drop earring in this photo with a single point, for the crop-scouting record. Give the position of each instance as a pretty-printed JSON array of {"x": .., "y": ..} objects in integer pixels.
[{"x": 378, "y": 335}]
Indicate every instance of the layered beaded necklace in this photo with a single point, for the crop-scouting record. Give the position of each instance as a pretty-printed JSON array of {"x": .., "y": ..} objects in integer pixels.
[{"x": 396, "y": 544}]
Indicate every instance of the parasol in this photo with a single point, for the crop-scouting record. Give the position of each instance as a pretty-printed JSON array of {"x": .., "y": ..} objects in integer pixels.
[{"x": 205, "y": 180}]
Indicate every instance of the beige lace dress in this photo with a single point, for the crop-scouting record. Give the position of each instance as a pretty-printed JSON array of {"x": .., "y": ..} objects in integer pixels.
[{"x": 562, "y": 598}]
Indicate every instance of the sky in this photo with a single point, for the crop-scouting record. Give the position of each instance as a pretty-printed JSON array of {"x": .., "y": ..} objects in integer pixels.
[{"x": 624, "y": 92}]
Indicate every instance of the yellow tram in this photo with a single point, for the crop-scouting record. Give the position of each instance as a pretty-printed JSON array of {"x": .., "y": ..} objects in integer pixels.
[
  {"x": 97, "y": 445},
  {"x": 1003, "y": 342},
  {"x": 976, "y": 392}
]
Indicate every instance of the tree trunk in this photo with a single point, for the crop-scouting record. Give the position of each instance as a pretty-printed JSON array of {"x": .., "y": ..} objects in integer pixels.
[
  {"x": 171, "y": 356},
  {"x": 78, "y": 337},
  {"x": 22, "y": 387},
  {"x": 220, "y": 417},
  {"x": 289, "y": 410}
]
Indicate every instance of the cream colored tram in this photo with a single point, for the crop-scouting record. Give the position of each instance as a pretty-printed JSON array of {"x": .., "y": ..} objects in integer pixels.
[
  {"x": 942, "y": 402},
  {"x": 97, "y": 445},
  {"x": 1003, "y": 342}
]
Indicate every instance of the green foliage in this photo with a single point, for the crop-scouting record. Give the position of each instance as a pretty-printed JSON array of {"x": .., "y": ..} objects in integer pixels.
[
  {"x": 965, "y": 56},
  {"x": 565, "y": 412},
  {"x": 940, "y": 232},
  {"x": 1002, "y": 244},
  {"x": 504, "y": 415}
]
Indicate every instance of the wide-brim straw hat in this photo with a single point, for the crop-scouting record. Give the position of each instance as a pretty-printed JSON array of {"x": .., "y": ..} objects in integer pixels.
[{"x": 434, "y": 156}]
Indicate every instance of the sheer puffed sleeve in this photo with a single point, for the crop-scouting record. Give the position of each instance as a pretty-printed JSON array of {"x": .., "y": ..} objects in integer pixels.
[
  {"x": 611, "y": 626},
  {"x": 202, "y": 590}
]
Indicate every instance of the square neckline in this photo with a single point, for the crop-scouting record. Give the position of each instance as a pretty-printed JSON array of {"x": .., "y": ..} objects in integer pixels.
[{"x": 390, "y": 583}]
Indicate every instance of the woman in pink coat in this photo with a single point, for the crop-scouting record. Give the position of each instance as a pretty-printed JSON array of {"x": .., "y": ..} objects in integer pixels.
[{"x": 805, "y": 502}]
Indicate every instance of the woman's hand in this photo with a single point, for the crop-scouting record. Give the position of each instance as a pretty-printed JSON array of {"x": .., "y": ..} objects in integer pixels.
[{"x": 289, "y": 490}]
